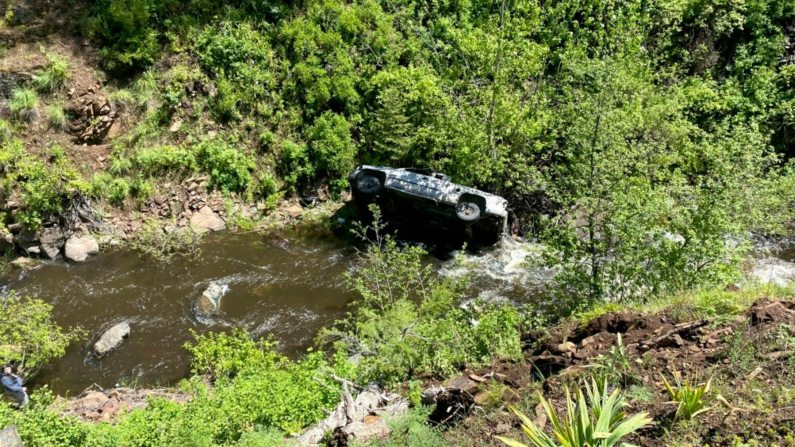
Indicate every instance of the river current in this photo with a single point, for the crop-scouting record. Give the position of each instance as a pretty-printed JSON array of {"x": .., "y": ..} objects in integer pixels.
[{"x": 284, "y": 287}]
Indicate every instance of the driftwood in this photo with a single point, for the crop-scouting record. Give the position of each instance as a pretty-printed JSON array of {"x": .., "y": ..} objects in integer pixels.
[{"x": 358, "y": 418}]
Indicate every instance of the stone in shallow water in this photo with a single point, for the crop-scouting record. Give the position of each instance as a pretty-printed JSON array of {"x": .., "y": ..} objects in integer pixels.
[
  {"x": 112, "y": 338},
  {"x": 209, "y": 303},
  {"x": 78, "y": 249}
]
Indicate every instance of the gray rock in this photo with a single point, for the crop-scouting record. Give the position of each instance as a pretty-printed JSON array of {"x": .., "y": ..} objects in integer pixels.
[
  {"x": 206, "y": 220},
  {"x": 10, "y": 81},
  {"x": 6, "y": 242},
  {"x": 33, "y": 249},
  {"x": 23, "y": 15},
  {"x": 78, "y": 249},
  {"x": 25, "y": 237},
  {"x": 10, "y": 438},
  {"x": 112, "y": 338},
  {"x": 51, "y": 241},
  {"x": 209, "y": 303}
]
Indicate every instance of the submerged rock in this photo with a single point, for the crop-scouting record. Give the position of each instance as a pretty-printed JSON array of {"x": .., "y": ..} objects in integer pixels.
[
  {"x": 112, "y": 338},
  {"x": 209, "y": 303},
  {"x": 78, "y": 249},
  {"x": 10, "y": 438}
]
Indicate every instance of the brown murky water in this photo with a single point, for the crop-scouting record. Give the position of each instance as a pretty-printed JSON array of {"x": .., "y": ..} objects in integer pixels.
[{"x": 287, "y": 288}]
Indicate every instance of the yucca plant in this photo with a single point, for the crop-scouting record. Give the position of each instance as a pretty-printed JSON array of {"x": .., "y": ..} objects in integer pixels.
[
  {"x": 598, "y": 422},
  {"x": 691, "y": 399}
]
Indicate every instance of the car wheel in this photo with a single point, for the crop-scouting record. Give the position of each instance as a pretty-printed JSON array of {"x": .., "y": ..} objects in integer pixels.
[
  {"x": 467, "y": 211},
  {"x": 369, "y": 185}
]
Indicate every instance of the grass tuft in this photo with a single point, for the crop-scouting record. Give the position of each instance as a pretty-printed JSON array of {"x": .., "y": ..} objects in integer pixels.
[
  {"x": 53, "y": 76},
  {"x": 56, "y": 117},
  {"x": 23, "y": 105}
]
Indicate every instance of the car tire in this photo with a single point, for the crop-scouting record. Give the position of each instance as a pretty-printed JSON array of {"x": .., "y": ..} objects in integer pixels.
[
  {"x": 467, "y": 211},
  {"x": 369, "y": 185}
]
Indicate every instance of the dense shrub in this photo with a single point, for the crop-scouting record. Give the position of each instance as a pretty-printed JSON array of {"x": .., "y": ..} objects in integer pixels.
[
  {"x": 332, "y": 149},
  {"x": 44, "y": 188},
  {"x": 165, "y": 160},
  {"x": 229, "y": 167},
  {"x": 29, "y": 336},
  {"x": 409, "y": 321},
  {"x": 124, "y": 26}
]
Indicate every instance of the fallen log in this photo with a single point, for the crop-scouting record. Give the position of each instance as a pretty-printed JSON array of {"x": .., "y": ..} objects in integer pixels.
[{"x": 356, "y": 419}]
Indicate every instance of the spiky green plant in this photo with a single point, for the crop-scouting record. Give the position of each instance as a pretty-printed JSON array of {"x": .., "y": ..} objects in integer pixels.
[
  {"x": 23, "y": 104},
  {"x": 691, "y": 399},
  {"x": 5, "y": 130},
  {"x": 122, "y": 99},
  {"x": 53, "y": 75},
  {"x": 603, "y": 426},
  {"x": 56, "y": 117}
]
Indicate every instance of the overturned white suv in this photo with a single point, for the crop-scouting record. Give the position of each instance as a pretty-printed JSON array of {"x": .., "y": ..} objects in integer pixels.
[{"x": 421, "y": 197}]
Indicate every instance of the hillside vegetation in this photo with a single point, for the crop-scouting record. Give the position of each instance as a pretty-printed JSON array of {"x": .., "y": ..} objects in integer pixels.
[{"x": 647, "y": 132}]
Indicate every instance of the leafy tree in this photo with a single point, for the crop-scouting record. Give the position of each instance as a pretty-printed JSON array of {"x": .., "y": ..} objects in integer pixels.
[
  {"x": 30, "y": 338},
  {"x": 332, "y": 148}
]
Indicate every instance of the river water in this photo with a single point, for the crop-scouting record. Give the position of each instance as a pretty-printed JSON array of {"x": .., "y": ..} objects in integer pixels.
[{"x": 288, "y": 288}]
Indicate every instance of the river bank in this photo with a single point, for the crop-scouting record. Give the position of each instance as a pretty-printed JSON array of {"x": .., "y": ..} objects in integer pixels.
[{"x": 167, "y": 224}]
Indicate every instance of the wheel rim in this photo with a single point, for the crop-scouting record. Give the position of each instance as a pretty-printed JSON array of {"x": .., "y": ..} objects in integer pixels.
[{"x": 467, "y": 209}]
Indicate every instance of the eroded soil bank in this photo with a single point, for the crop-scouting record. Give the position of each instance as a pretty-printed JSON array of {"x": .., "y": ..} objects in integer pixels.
[{"x": 750, "y": 359}]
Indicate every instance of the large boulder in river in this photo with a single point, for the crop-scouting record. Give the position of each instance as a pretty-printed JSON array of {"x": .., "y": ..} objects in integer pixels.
[
  {"x": 78, "y": 249},
  {"x": 112, "y": 338},
  {"x": 206, "y": 220},
  {"x": 10, "y": 438},
  {"x": 209, "y": 303},
  {"x": 51, "y": 241}
]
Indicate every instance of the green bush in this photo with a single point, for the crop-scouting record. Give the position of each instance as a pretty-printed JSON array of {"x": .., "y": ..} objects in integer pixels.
[
  {"x": 118, "y": 190},
  {"x": 409, "y": 321},
  {"x": 295, "y": 164},
  {"x": 123, "y": 26},
  {"x": 30, "y": 337},
  {"x": 332, "y": 149},
  {"x": 41, "y": 425},
  {"x": 45, "y": 189},
  {"x": 229, "y": 168},
  {"x": 155, "y": 242},
  {"x": 165, "y": 160},
  {"x": 6, "y": 132},
  {"x": 598, "y": 421},
  {"x": 241, "y": 57}
]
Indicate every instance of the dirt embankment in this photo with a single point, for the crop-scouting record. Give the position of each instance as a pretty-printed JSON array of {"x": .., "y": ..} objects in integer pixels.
[{"x": 750, "y": 359}]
